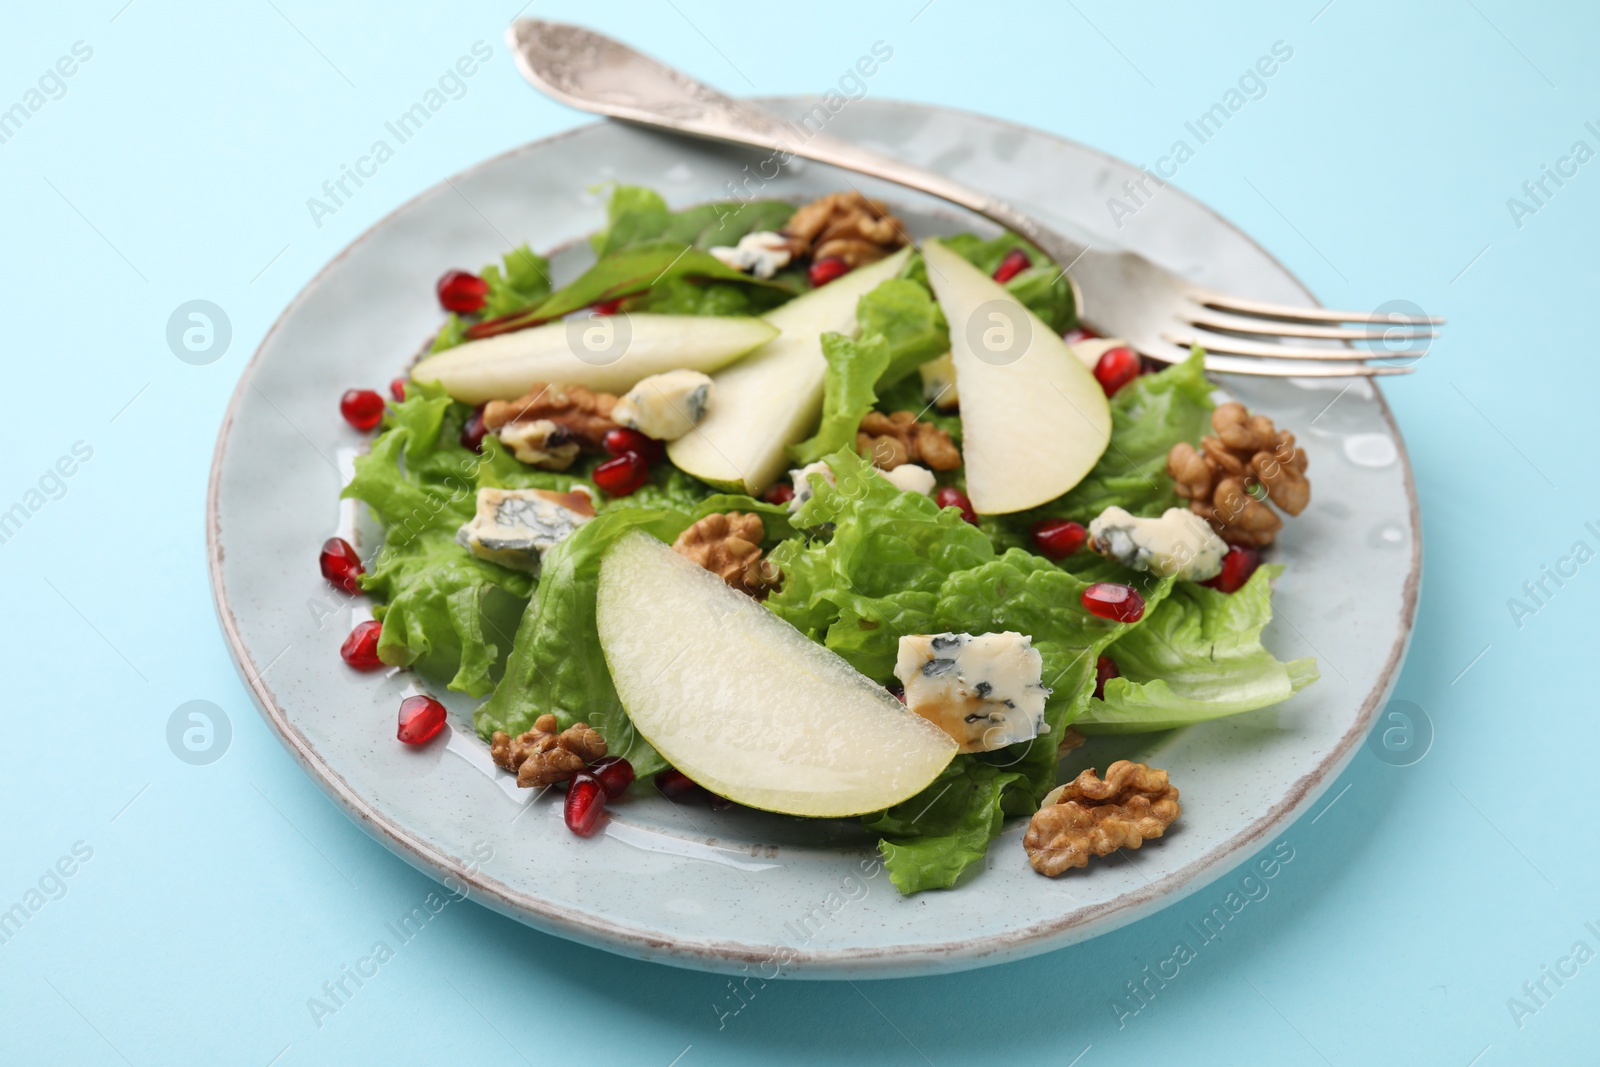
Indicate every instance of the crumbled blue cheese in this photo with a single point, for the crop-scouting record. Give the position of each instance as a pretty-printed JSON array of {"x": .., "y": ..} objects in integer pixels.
[
  {"x": 802, "y": 484},
  {"x": 939, "y": 382},
  {"x": 763, "y": 253},
  {"x": 984, "y": 690},
  {"x": 910, "y": 478},
  {"x": 1179, "y": 544},
  {"x": 665, "y": 406},
  {"x": 540, "y": 443},
  {"x": 516, "y": 527}
]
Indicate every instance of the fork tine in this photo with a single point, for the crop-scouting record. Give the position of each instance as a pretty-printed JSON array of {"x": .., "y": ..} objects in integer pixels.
[
  {"x": 1234, "y": 346},
  {"x": 1261, "y": 369},
  {"x": 1204, "y": 316},
  {"x": 1266, "y": 309}
]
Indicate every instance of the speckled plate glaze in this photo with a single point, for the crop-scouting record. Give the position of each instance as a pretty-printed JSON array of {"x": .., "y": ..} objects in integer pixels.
[{"x": 741, "y": 891}]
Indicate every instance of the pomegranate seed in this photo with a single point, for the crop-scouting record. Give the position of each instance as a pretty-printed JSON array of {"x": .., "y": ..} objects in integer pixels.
[
  {"x": 1105, "y": 669},
  {"x": 586, "y": 802},
  {"x": 1015, "y": 262},
  {"x": 1237, "y": 567},
  {"x": 421, "y": 719},
  {"x": 951, "y": 497},
  {"x": 397, "y": 389},
  {"x": 622, "y": 475},
  {"x": 614, "y": 773},
  {"x": 616, "y": 442},
  {"x": 781, "y": 493},
  {"x": 1059, "y": 538},
  {"x": 340, "y": 564},
  {"x": 1080, "y": 333},
  {"x": 608, "y": 307},
  {"x": 360, "y": 649},
  {"x": 677, "y": 786},
  {"x": 1111, "y": 600},
  {"x": 361, "y": 408},
  {"x": 473, "y": 430},
  {"x": 826, "y": 270},
  {"x": 462, "y": 292},
  {"x": 1116, "y": 368}
]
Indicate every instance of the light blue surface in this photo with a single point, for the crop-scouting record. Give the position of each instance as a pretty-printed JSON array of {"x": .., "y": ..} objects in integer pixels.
[{"x": 219, "y": 898}]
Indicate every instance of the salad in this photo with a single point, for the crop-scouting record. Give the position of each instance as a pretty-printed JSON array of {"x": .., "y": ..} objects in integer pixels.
[{"x": 771, "y": 507}]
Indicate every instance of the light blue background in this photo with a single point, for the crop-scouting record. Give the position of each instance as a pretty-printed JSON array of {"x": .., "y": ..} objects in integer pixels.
[{"x": 219, "y": 898}]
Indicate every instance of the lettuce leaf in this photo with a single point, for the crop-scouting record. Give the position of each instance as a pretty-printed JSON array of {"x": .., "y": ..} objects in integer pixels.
[
  {"x": 522, "y": 281},
  {"x": 1198, "y": 656},
  {"x": 930, "y": 841},
  {"x": 556, "y": 664},
  {"x": 908, "y": 317},
  {"x": 853, "y": 368},
  {"x": 635, "y": 214}
]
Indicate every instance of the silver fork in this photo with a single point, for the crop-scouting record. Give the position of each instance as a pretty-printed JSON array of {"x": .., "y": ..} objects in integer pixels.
[{"x": 1128, "y": 296}]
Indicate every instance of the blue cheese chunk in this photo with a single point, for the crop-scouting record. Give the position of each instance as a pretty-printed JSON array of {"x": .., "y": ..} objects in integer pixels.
[
  {"x": 802, "y": 484},
  {"x": 911, "y": 478},
  {"x": 516, "y": 527},
  {"x": 984, "y": 690},
  {"x": 939, "y": 382},
  {"x": 763, "y": 253},
  {"x": 1179, "y": 544},
  {"x": 665, "y": 406}
]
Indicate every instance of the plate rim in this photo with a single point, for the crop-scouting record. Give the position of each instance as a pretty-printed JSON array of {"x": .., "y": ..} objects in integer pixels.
[{"x": 1076, "y": 925}]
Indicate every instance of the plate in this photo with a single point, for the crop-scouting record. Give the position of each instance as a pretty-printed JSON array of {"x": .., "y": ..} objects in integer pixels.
[{"x": 741, "y": 891}]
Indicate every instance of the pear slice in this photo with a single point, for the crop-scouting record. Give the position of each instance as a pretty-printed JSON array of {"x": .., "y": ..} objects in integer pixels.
[
  {"x": 1033, "y": 419},
  {"x": 607, "y": 353},
  {"x": 773, "y": 398},
  {"x": 744, "y": 703}
]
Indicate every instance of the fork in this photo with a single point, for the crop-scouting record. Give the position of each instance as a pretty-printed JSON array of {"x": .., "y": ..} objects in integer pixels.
[{"x": 1159, "y": 313}]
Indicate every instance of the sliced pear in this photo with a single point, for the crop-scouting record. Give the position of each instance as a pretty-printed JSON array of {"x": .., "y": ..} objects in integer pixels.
[
  {"x": 606, "y": 353},
  {"x": 744, "y": 703},
  {"x": 1033, "y": 419},
  {"x": 773, "y": 398}
]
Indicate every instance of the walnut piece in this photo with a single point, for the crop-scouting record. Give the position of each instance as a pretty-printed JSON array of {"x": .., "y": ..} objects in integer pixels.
[
  {"x": 584, "y": 412},
  {"x": 729, "y": 546},
  {"x": 1223, "y": 478},
  {"x": 1089, "y": 817},
  {"x": 847, "y": 225},
  {"x": 890, "y": 440},
  {"x": 542, "y": 757}
]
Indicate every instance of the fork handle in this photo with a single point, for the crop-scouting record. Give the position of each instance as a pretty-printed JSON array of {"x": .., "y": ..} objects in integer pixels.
[{"x": 591, "y": 72}]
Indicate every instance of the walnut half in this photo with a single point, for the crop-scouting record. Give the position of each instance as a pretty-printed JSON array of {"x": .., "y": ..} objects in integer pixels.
[
  {"x": 1223, "y": 478},
  {"x": 848, "y": 225},
  {"x": 890, "y": 440},
  {"x": 542, "y": 757},
  {"x": 1089, "y": 817},
  {"x": 729, "y": 546}
]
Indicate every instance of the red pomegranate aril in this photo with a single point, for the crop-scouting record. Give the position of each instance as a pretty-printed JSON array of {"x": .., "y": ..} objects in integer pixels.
[
  {"x": 1059, "y": 538},
  {"x": 677, "y": 786},
  {"x": 1080, "y": 333},
  {"x": 586, "y": 803},
  {"x": 361, "y": 408},
  {"x": 623, "y": 475},
  {"x": 614, "y": 773},
  {"x": 827, "y": 269},
  {"x": 1015, "y": 262},
  {"x": 951, "y": 497},
  {"x": 1116, "y": 368},
  {"x": 1237, "y": 567},
  {"x": 608, "y": 307},
  {"x": 781, "y": 493},
  {"x": 462, "y": 292},
  {"x": 340, "y": 564},
  {"x": 473, "y": 430},
  {"x": 421, "y": 719},
  {"x": 620, "y": 440},
  {"x": 360, "y": 649},
  {"x": 1105, "y": 669},
  {"x": 397, "y": 389},
  {"x": 1114, "y": 601}
]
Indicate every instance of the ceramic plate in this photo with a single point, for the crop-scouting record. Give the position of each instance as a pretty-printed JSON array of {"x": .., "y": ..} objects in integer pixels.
[{"x": 739, "y": 889}]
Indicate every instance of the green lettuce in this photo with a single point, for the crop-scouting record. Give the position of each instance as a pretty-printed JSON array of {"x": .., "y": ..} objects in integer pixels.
[
  {"x": 521, "y": 280},
  {"x": 635, "y": 215},
  {"x": 1198, "y": 656},
  {"x": 930, "y": 841},
  {"x": 556, "y": 665},
  {"x": 853, "y": 368},
  {"x": 905, "y": 313}
]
